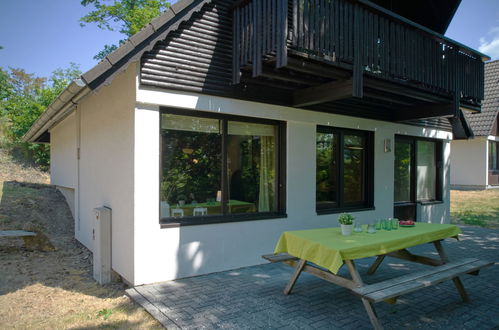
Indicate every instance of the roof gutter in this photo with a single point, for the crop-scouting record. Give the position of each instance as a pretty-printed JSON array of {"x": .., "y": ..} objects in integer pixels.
[{"x": 63, "y": 105}]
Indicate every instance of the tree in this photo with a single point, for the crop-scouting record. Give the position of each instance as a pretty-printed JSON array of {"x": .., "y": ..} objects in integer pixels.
[
  {"x": 23, "y": 98},
  {"x": 126, "y": 16}
]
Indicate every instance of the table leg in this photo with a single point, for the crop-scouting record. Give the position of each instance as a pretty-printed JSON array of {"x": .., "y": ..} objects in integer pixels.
[
  {"x": 376, "y": 264},
  {"x": 460, "y": 289},
  {"x": 373, "y": 317},
  {"x": 371, "y": 312},
  {"x": 354, "y": 273},
  {"x": 457, "y": 281},
  {"x": 299, "y": 267},
  {"x": 441, "y": 252}
]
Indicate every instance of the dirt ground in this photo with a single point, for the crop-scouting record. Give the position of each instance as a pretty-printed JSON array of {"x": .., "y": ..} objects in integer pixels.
[{"x": 52, "y": 290}]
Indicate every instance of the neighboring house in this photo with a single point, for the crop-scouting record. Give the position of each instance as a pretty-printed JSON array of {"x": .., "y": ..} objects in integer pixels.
[
  {"x": 224, "y": 123},
  {"x": 475, "y": 162}
]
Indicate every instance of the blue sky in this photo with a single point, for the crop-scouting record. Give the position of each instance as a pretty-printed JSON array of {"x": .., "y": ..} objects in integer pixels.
[{"x": 43, "y": 35}]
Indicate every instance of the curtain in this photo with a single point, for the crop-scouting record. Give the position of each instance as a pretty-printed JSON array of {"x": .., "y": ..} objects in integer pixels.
[{"x": 267, "y": 173}]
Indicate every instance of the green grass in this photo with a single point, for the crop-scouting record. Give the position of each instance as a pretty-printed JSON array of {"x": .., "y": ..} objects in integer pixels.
[{"x": 476, "y": 208}]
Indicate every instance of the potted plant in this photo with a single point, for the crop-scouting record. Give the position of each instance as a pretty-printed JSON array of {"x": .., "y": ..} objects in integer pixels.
[{"x": 346, "y": 223}]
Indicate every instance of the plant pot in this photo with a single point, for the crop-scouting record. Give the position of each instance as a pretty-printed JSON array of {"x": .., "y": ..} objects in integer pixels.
[{"x": 346, "y": 230}]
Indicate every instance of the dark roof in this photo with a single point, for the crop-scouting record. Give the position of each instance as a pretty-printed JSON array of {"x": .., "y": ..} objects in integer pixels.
[
  {"x": 482, "y": 122},
  {"x": 435, "y": 15}
]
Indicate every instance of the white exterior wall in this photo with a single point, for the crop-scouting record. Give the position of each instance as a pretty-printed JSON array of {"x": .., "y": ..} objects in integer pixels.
[
  {"x": 169, "y": 253},
  {"x": 105, "y": 133},
  {"x": 63, "y": 163},
  {"x": 469, "y": 163},
  {"x": 63, "y": 153}
]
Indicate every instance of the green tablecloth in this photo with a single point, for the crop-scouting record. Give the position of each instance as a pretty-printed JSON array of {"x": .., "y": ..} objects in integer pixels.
[{"x": 326, "y": 247}]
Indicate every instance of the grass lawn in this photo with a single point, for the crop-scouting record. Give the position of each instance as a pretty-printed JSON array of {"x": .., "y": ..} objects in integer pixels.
[{"x": 478, "y": 208}]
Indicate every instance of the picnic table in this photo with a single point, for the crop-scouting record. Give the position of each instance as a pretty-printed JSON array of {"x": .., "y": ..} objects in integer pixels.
[{"x": 322, "y": 252}]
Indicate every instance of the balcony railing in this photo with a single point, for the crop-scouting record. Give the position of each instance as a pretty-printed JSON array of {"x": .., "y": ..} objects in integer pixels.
[{"x": 356, "y": 35}]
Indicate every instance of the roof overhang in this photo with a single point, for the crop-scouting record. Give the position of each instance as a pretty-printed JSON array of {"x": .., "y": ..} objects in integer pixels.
[{"x": 57, "y": 111}]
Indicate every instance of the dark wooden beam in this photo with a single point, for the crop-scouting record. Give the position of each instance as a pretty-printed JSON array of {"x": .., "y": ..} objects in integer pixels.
[
  {"x": 406, "y": 91},
  {"x": 425, "y": 112},
  {"x": 316, "y": 69},
  {"x": 331, "y": 91}
]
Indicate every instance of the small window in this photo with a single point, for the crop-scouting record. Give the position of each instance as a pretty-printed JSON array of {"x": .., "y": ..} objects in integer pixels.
[
  {"x": 219, "y": 168},
  {"x": 344, "y": 174},
  {"x": 493, "y": 155}
]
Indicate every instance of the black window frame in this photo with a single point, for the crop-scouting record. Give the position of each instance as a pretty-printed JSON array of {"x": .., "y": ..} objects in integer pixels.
[
  {"x": 368, "y": 169},
  {"x": 439, "y": 162},
  {"x": 167, "y": 222}
]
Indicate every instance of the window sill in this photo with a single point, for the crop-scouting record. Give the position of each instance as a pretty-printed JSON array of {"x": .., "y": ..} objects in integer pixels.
[
  {"x": 430, "y": 202},
  {"x": 345, "y": 209},
  {"x": 196, "y": 221}
]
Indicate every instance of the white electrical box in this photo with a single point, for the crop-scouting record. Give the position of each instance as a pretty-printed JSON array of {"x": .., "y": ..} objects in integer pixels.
[{"x": 102, "y": 245}]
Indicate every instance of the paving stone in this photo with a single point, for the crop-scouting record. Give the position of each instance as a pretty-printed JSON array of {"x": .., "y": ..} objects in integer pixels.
[{"x": 252, "y": 298}]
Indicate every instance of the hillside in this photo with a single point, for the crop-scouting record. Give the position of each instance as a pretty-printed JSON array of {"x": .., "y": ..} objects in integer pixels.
[{"x": 51, "y": 290}]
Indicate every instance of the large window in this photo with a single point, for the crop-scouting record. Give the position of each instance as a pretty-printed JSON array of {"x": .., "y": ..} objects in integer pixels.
[
  {"x": 219, "y": 168},
  {"x": 417, "y": 170},
  {"x": 344, "y": 177},
  {"x": 493, "y": 155}
]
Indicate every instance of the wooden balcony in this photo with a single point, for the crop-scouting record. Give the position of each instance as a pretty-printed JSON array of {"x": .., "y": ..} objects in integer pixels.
[{"x": 330, "y": 50}]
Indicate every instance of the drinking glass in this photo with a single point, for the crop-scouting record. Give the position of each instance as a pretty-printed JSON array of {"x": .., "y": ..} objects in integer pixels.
[
  {"x": 371, "y": 228},
  {"x": 387, "y": 225},
  {"x": 357, "y": 228},
  {"x": 395, "y": 223},
  {"x": 379, "y": 224}
]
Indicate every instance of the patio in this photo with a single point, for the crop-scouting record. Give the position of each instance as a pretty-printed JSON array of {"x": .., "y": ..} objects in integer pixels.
[{"x": 252, "y": 297}]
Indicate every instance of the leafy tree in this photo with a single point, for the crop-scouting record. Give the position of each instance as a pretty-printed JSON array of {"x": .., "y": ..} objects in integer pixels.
[
  {"x": 23, "y": 97},
  {"x": 125, "y": 16}
]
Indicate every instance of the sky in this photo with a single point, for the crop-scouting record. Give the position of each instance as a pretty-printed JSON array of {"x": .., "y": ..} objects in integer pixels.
[{"x": 43, "y": 35}]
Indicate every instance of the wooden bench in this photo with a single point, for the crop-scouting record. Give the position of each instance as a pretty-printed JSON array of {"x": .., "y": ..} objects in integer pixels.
[
  {"x": 32, "y": 240},
  {"x": 389, "y": 289},
  {"x": 16, "y": 233}
]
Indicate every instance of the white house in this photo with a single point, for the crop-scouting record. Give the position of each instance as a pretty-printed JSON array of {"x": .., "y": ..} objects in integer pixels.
[
  {"x": 213, "y": 130},
  {"x": 475, "y": 162}
]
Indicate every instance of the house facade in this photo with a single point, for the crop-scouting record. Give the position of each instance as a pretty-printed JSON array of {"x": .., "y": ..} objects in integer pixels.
[
  {"x": 224, "y": 123},
  {"x": 482, "y": 152}
]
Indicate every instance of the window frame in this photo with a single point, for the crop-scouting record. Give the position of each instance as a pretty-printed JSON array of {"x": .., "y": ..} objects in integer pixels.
[
  {"x": 439, "y": 157},
  {"x": 168, "y": 222},
  {"x": 368, "y": 171},
  {"x": 493, "y": 170}
]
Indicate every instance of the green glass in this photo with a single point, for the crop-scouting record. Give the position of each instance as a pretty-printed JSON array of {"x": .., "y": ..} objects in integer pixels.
[
  {"x": 378, "y": 224},
  {"x": 387, "y": 225},
  {"x": 395, "y": 223}
]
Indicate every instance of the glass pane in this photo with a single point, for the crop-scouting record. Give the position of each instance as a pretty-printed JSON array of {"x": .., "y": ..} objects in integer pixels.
[
  {"x": 326, "y": 173},
  {"x": 493, "y": 156},
  {"x": 427, "y": 170},
  {"x": 251, "y": 167},
  {"x": 353, "y": 168},
  {"x": 192, "y": 162},
  {"x": 402, "y": 171}
]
